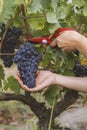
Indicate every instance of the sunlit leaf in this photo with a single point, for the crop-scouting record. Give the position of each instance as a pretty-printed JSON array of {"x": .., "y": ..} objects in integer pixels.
[
  {"x": 51, "y": 17},
  {"x": 34, "y": 7},
  {"x": 8, "y": 10}
]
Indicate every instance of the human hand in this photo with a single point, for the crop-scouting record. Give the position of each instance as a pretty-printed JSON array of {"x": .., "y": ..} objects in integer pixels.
[
  {"x": 43, "y": 80},
  {"x": 67, "y": 40}
]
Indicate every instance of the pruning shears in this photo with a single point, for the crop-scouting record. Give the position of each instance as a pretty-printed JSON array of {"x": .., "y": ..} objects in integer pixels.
[{"x": 48, "y": 39}]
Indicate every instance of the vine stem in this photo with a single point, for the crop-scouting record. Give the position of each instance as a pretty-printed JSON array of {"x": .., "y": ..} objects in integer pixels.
[
  {"x": 35, "y": 17},
  {"x": 25, "y": 21}
]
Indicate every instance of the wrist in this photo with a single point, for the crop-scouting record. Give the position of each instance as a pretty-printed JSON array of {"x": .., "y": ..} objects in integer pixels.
[
  {"x": 82, "y": 46},
  {"x": 81, "y": 40},
  {"x": 55, "y": 78}
]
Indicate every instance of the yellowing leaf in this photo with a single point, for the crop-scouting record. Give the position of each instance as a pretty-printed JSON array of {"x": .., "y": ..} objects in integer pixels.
[
  {"x": 27, "y": 1},
  {"x": 37, "y": 24},
  {"x": 83, "y": 61}
]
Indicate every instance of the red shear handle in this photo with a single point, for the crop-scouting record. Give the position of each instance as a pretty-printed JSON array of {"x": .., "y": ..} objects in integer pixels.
[
  {"x": 59, "y": 30},
  {"x": 48, "y": 39}
]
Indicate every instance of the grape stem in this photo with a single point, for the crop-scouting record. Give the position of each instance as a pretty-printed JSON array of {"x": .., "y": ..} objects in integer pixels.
[
  {"x": 1, "y": 54},
  {"x": 3, "y": 37}
]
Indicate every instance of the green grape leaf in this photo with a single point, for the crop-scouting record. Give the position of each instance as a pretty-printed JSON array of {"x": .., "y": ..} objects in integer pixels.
[
  {"x": 68, "y": 72},
  {"x": 0, "y": 83},
  {"x": 54, "y": 57},
  {"x": 77, "y": 2},
  {"x": 50, "y": 93},
  {"x": 48, "y": 49},
  {"x": 34, "y": 7},
  {"x": 19, "y": 2},
  {"x": 54, "y": 27},
  {"x": 12, "y": 84},
  {"x": 45, "y": 4},
  {"x": 51, "y": 17},
  {"x": 85, "y": 10},
  {"x": 8, "y": 11},
  {"x": 54, "y": 4},
  {"x": 37, "y": 24},
  {"x": 2, "y": 75},
  {"x": 60, "y": 12},
  {"x": 1, "y": 5},
  {"x": 45, "y": 60},
  {"x": 70, "y": 60},
  {"x": 61, "y": 55},
  {"x": 47, "y": 56}
]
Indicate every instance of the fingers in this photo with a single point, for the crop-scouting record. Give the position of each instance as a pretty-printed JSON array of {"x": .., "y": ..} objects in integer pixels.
[
  {"x": 62, "y": 45},
  {"x": 26, "y": 88},
  {"x": 38, "y": 71},
  {"x": 41, "y": 81},
  {"x": 18, "y": 79},
  {"x": 57, "y": 42},
  {"x": 66, "y": 49},
  {"x": 21, "y": 83},
  {"x": 53, "y": 43},
  {"x": 38, "y": 87}
]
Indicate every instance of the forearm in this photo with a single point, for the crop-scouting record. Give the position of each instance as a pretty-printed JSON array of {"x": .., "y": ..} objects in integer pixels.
[{"x": 75, "y": 83}]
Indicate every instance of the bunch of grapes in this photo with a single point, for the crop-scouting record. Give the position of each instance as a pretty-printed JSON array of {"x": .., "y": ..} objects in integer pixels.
[
  {"x": 10, "y": 41},
  {"x": 79, "y": 70},
  {"x": 27, "y": 59}
]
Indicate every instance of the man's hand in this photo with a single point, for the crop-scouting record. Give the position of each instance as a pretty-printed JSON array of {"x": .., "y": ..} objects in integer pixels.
[
  {"x": 67, "y": 41},
  {"x": 43, "y": 80}
]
